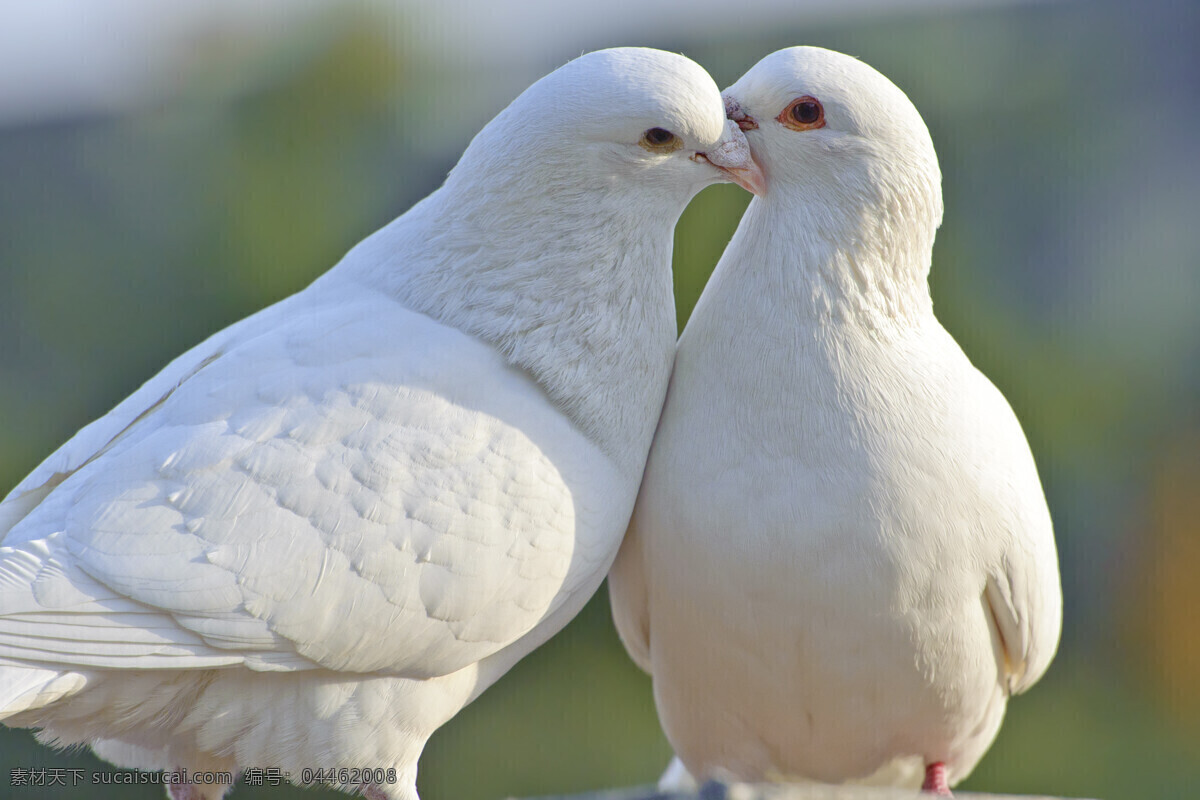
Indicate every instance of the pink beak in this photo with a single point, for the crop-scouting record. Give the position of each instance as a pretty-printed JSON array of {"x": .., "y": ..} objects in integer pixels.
[
  {"x": 750, "y": 178},
  {"x": 732, "y": 156}
]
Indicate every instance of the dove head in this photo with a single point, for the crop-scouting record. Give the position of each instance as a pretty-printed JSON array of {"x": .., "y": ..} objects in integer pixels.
[
  {"x": 839, "y": 140},
  {"x": 634, "y": 120},
  {"x": 551, "y": 238}
]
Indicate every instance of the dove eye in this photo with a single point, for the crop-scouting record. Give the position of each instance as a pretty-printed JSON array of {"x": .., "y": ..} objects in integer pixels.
[
  {"x": 803, "y": 114},
  {"x": 660, "y": 140}
]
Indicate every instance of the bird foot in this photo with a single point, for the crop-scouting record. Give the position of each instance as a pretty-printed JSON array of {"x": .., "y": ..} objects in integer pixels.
[
  {"x": 179, "y": 790},
  {"x": 372, "y": 792},
  {"x": 935, "y": 780},
  {"x": 184, "y": 791}
]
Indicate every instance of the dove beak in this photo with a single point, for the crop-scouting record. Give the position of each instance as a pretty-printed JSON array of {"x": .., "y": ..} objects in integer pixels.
[
  {"x": 749, "y": 177},
  {"x": 732, "y": 156}
]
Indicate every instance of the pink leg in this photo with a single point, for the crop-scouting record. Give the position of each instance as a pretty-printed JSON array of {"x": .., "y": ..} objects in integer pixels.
[
  {"x": 372, "y": 792},
  {"x": 935, "y": 780},
  {"x": 177, "y": 790},
  {"x": 184, "y": 791}
]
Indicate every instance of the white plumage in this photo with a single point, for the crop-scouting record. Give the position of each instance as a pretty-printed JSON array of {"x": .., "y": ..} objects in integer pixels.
[
  {"x": 841, "y": 563},
  {"x": 310, "y": 540}
]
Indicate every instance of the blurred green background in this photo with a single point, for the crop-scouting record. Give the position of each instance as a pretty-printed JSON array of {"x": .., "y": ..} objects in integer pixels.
[{"x": 250, "y": 157}]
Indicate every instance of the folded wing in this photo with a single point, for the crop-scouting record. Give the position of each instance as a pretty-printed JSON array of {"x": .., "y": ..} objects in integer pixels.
[{"x": 355, "y": 488}]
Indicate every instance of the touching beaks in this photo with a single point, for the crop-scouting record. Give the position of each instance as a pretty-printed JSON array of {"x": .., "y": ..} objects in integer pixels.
[
  {"x": 732, "y": 156},
  {"x": 749, "y": 177}
]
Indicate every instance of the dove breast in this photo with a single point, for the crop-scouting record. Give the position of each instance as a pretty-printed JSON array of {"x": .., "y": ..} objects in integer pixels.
[{"x": 841, "y": 563}]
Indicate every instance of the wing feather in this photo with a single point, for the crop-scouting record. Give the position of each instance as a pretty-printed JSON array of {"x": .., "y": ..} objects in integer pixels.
[
  {"x": 1022, "y": 590},
  {"x": 1026, "y": 606},
  {"x": 354, "y": 487}
]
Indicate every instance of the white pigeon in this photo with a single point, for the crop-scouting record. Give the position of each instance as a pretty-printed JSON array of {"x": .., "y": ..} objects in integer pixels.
[
  {"x": 312, "y": 539},
  {"x": 841, "y": 563}
]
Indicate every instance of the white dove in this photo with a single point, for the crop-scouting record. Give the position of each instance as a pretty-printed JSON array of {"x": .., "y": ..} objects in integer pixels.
[
  {"x": 312, "y": 539},
  {"x": 841, "y": 563}
]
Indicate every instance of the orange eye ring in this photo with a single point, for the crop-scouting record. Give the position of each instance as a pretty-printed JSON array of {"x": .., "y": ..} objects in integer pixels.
[{"x": 803, "y": 114}]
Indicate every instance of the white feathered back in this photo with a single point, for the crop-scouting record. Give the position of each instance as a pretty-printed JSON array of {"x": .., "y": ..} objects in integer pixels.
[{"x": 314, "y": 537}]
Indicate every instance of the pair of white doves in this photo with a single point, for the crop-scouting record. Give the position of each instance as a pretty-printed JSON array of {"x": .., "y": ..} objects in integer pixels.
[{"x": 313, "y": 538}]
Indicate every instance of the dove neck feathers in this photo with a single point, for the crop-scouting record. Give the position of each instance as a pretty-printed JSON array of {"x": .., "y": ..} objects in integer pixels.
[
  {"x": 854, "y": 250},
  {"x": 571, "y": 283}
]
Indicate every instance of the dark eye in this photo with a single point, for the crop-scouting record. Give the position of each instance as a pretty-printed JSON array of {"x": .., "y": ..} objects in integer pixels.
[
  {"x": 803, "y": 114},
  {"x": 660, "y": 140},
  {"x": 806, "y": 113}
]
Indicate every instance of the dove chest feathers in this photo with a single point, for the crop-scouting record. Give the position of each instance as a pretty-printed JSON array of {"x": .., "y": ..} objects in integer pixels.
[
  {"x": 856, "y": 451},
  {"x": 857, "y": 498},
  {"x": 844, "y": 382},
  {"x": 841, "y": 558}
]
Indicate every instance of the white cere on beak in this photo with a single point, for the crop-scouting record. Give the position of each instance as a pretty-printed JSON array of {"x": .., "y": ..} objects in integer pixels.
[
  {"x": 732, "y": 156},
  {"x": 734, "y": 150}
]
